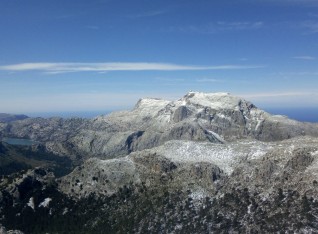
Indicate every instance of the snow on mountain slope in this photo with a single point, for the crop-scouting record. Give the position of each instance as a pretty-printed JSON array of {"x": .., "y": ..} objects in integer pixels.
[
  {"x": 210, "y": 117},
  {"x": 216, "y": 101},
  {"x": 225, "y": 156},
  {"x": 200, "y": 164}
]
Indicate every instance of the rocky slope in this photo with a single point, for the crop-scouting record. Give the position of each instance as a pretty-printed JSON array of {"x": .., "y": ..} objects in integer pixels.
[
  {"x": 215, "y": 117},
  {"x": 207, "y": 163},
  {"x": 242, "y": 187},
  {"x": 262, "y": 167}
]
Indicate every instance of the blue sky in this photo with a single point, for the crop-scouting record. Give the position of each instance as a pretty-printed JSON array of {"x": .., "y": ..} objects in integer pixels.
[{"x": 93, "y": 55}]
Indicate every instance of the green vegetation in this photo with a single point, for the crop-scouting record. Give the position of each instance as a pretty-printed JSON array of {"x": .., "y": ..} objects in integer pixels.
[
  {"x": 157, "y": 210},
  {"x": 15, "y": 158}
]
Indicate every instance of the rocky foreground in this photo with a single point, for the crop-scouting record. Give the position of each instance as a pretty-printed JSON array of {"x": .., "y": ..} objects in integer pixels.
[{"x": 207, "y": 163}]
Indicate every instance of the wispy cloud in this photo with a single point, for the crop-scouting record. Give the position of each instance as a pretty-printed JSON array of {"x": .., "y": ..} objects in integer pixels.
[
  {"x": 311, "y": 26},
  {"x": 147, "y": 14},
  {"x": 288, "y": 2},
  {"x": 283, "y": 98},
  {"x": 313, "y": 15},
  {"x": 92, "y": 27},
  {"x": 170, "y": 79},
  {"x": 300, "y": 73},
  {"x": 239, "y": 25},
  {"x": 278, "y": 94},
  {"x": 304, "y": 57},
  {"x": 103, "y": 67},
  {"x": 243, "y": 59},
  {"x": 208, "y": 80},
  {"x": 61, "y": 17},
  {"x": 303, "y": 27},
  {"x": 219, "y": 27}
]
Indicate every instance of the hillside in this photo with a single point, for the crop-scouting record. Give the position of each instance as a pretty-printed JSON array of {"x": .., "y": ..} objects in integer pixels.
[
  {"x": 5, "y": 118},
  {"x": 206, "y": 163}
]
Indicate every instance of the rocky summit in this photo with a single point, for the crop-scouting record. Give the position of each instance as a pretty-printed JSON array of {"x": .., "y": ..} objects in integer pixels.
[{"x": 206, "y": 163}]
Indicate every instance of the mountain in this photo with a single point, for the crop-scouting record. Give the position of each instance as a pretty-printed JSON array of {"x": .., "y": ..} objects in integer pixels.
[
  {"x": 9, "y": 117},
  {"x": 206, "y": 163},
  {"x": 14, "y": 158},
  {"x": 214, "y": 117}
]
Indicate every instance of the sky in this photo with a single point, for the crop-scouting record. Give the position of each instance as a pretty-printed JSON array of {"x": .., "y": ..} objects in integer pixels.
[{"x": 102, "y": 55}]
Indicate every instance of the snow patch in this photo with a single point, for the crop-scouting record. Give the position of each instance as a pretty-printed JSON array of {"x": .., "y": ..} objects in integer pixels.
[
  {"x": 222, "y": 116},
  {"x": 217, "y": 136},
  {"x": 215, "y": 101},
  {"x": 179, "y": 227},
  {"x": 289, "y": 150},
  {"x": 259, "y": 122},
  {"x": 46, "y": 202},
  {"x": 31, "y": 203},
  {"x": 65, "y": 211},
  {"x": 224, "y": 156},
  {"x": 249, "y": 208},
  {"x": 314, "y": 153},
  {"x": 258, "y": 151},
  {"x": 198, "y": 194},
  {"x": 150, "y": 106}
]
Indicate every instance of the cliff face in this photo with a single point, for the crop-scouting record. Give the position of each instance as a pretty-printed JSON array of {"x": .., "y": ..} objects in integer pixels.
[{"x": 207, "y": 163}]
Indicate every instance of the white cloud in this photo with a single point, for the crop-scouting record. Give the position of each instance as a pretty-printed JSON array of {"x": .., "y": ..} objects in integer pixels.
[
  {"x": 301, "y": 73},
  {"x": 239, "y": 25},
  {"x": 311, "y": 26},
  {"x": 92, "y": 27},
  {"x": 208, "y": 80},
  {"x": 304, "y": 57},
  {"x": 313, "y": 15},
  {"x": 148, "y": 14},
  {"x": 219, "y": 27},
  {"x": 53, "y": 68},
  {"x": 280, "y": 94},
  {"x": 283, "y": 99},
  {"x": 243, "y": 59},
  {"x": 170, "y": 79},
  {"x": 288, "y": 2}
]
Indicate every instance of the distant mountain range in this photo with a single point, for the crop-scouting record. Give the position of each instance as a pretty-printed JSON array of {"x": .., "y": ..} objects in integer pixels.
[
  {"x": 5, "y": 118},
  {"x": 206, "y": 163}
]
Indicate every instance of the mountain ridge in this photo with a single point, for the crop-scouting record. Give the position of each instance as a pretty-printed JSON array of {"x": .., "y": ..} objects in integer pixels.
[
  {"x": 196, "y": 116},
  {"x": 11, "y": 117},
  {"x": 204, "y": 163}
]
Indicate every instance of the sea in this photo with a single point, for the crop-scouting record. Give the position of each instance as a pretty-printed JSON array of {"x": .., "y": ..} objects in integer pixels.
[
  {"x": 19, "y": 141},
  {"x": 304, "y": 114}
]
